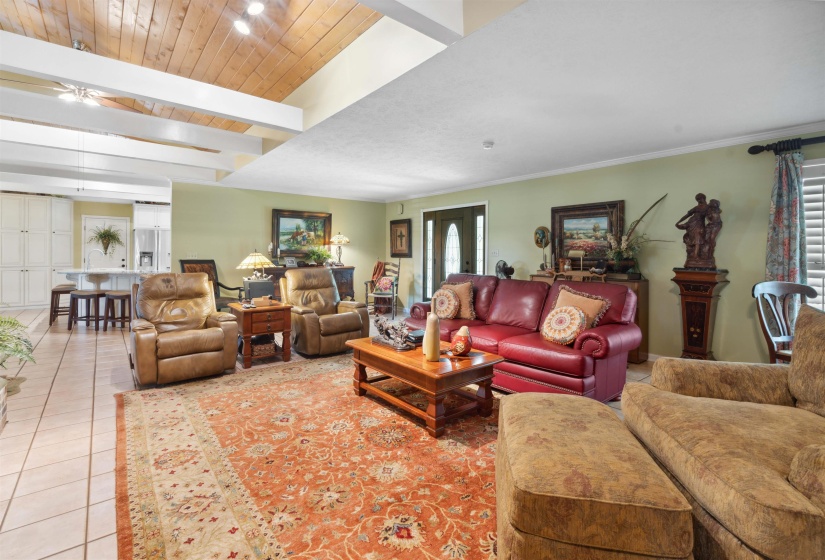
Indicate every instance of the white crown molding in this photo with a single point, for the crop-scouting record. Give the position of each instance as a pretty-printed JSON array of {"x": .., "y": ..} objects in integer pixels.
[{"x": 758, "y": 137}]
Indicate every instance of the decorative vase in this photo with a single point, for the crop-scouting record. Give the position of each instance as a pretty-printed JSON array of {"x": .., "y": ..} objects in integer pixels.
[
  {"x": 462, "y": 342},
  {"x": 105, "y": 247},
  {"x": 432, "y": 339}
]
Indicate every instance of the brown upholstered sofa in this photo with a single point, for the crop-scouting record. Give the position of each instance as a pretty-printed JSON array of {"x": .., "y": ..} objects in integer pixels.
[
  {"x": 321, "y": 323},
  {"x": 746, "y": 444},
  {"x": 509, "y": 315},
  {"x": 176, "y": 332}
]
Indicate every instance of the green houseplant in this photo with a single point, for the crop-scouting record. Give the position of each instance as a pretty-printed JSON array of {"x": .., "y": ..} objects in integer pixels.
[
  {"x": 318, "y": 254},
  {"x": 107, "y": 237},
  {"x": 14, "y": 341},
  {"x": 625, "y": 248}
]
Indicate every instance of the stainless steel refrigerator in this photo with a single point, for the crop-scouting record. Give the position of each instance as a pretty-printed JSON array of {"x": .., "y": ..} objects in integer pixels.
[{"x": 153, "y": 250}]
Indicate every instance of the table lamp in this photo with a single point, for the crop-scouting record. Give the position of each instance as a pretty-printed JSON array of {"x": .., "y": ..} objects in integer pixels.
[
  {"x": 338, "y": 241},
  {"x": 574, "y": 254},
  {"x": 253, "y": 261}
]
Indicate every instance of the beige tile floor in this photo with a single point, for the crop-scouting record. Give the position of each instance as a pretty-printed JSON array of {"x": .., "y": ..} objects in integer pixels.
[{"x": 57, "y": 453}]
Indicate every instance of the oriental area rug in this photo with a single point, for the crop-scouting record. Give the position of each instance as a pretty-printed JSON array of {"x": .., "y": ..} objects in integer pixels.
[{"x": 287, "y": 462}]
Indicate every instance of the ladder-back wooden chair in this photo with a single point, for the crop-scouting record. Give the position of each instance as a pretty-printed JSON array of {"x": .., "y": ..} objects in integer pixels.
[
  {"x": 211, "y": 269},
  {"x": 773, "y": 303},
  {"x": 383, "y": 287}
]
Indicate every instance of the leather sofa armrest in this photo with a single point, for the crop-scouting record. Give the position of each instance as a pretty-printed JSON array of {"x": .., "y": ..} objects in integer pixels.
[
  {"x": 144, "y": 341},
  {"x": 142, "y": 325},
  {"x": 228, "y": 323},
  {"x": 361, "y": 309},
  {"x": 306, "y": 331},
  {"x": 731, "y": 381},
  {"x": 609, "y": 340},
  {"x": 299, "y": 310},
  {"x": 420, "y": 310},
  {"x": 344, "y": 306}
]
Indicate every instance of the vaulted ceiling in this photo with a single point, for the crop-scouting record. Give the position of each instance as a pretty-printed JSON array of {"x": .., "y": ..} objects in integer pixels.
[{"x": 288, "y": 43}]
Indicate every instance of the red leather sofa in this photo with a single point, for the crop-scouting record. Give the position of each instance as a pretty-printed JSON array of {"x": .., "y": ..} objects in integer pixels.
[{"x": 509, "y": 315}]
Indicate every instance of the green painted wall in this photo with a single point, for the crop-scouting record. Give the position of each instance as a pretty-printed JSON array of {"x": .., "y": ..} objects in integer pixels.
[
  {"x": 227, "y": 224},
  {"x": 740, "y": 181},
  {"x": 97, "y": 209}
]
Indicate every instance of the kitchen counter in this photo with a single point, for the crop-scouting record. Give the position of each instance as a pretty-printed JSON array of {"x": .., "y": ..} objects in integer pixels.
[{"x": 104, "y": 278}]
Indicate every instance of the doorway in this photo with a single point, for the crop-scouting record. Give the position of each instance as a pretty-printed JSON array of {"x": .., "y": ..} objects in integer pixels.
[
  {"x": 454, "y": 242},
  {"x": 118, "y": 256}
]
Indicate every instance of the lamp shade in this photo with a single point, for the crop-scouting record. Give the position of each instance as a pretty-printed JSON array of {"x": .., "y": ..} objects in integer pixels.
[
  {"x": 255, "y": 260},
  {"x": 339, "y": 239}
]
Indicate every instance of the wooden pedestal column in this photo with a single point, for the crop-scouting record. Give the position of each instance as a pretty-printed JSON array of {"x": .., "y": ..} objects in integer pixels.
[{"x": 699, "y": 292}]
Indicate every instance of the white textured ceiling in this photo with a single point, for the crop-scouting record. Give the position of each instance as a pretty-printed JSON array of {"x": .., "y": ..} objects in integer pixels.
[{"x": 561, "y": 84}]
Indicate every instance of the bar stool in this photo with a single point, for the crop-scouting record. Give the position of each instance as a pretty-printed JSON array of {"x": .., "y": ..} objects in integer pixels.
[
  {"x": 89, "y": 296},
  {"x": 125, "y": 317},
  {"x": 55, "y": 309}
]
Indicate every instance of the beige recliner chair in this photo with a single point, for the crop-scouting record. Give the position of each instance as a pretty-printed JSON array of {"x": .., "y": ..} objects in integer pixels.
[
  {"x": 176, "y": 332},
  {"x": 321, "y": 322}
]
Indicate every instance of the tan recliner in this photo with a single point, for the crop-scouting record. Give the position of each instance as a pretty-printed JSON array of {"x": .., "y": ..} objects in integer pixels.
[
  {"x": 321, "y": 322},
  {"x": 176, "y": 332}
]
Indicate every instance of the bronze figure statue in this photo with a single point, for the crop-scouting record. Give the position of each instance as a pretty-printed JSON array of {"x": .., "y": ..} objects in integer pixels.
[{"x": 701, "y": 225}]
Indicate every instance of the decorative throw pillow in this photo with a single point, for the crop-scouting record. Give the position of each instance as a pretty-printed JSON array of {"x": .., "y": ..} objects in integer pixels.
[
  {"x": 594, "y": 307},
  {"x": 384, "y": 284},
  {"x": 464, "y": 291},
  {"x": 563, "y": 325},
  {"x": 445, "y": 303}
]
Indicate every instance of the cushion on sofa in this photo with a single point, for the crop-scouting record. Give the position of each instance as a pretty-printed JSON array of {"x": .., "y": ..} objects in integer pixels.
[
  {"x": 563, "y": 325},
  {"x": 594, "y": 307},
  {"x": 464, "y": 291},
  {"x": 808, "y": 474},
  {"x": 487, "y": 337},
  {"x": 533, "y": 350},
  {"x": 806, "y": 377},
  {"x": 518, "y": 303},
  {"x": 737, "y": 473},
  {"x": 183, "y": 343},
  {"x": 445, "y": 303},
  {"x": 483, "y": 289},
  {"x": 620, "y": 298},
  {"x": 568, "y": 471}
]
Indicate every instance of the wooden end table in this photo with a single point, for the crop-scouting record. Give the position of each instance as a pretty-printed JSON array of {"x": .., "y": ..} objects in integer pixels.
[
  {"x": 262, "y": 320},
  {"x": 435, "y": 379}
]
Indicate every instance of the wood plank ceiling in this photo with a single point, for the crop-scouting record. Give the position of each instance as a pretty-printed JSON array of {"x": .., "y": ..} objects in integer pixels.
[{"x": 289, "y": 42}]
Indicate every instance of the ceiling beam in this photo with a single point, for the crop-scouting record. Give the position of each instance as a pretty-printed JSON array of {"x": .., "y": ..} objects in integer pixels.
[
  {"x": 441, "y": 20},
  {"x": 87, "y": 142},
  {"x": 20, "y": 104},
  {"x": 31, "y": 154},
  {"x": 48, "y": 61}
]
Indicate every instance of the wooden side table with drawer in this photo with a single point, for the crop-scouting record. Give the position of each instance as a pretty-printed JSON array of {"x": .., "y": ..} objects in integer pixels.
[{"x": 262, "y": 321}]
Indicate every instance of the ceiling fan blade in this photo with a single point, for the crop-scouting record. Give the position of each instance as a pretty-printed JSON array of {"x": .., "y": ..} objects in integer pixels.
[
  {"x": 33, "y": 85},
  {"x": 115, "y": 104}
]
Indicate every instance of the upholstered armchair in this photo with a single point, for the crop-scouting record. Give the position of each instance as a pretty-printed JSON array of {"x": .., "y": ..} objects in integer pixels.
[
  {"x": 321, "y": 322},
  {"x": 176, "y": 332}
]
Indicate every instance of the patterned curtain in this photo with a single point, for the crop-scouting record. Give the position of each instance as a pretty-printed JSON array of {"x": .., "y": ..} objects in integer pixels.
[{"x": 785, "y": 260}]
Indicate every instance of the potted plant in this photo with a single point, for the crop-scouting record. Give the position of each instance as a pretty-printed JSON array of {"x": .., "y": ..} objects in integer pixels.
[
  {"x": 625, "y": 248},
  {"x": 14, "y": 341},
  {"x": 318, "y": 254},
  {"x": 107, "y": 237}
]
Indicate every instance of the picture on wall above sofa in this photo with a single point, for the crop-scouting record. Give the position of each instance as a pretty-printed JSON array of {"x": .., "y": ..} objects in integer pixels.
[
  {"x": 584, "y": 227},
  {"x": 294, "y": 233}
]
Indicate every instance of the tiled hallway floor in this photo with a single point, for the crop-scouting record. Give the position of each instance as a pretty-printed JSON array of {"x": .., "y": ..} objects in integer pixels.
[{"x": 57, "y": 453}]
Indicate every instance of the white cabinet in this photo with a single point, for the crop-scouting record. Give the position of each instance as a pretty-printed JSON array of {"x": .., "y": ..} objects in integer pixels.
[
  {"x": 62, "y": 254},
  {"x": 37, "y": 285},
  {"x": 37, "y": 214},
  {"x": 151, "y": 216},
  {"x": 11, "y": 286},
  {"x": 62, "y": 215},
  {"x": 36, "y": 248},
  {"x": 12, "y": 245},
  {"x": 12, "y": 212}
]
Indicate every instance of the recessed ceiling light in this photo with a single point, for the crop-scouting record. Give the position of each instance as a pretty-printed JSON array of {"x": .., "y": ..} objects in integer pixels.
[
  {"x": 67, "y": 97},
  {"x": 242, "y": 25},
  {"x": 255, "y": 8},
  {"x": 487, "y": 144}
]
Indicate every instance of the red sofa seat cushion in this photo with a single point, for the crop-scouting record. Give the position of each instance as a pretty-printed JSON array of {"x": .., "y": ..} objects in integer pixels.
[
  {"x": 533, "y": 350},
  {"x": 487, "y": 337},
  {"x": 518, "y": 303},
  {"x": 619, "y": 310},
  {"x": 446, "y": 327},
  {"x": 483, "y": 289}
]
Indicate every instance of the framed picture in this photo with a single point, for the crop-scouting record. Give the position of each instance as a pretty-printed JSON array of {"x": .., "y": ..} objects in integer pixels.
[
  {"x": 290, "y": 262},
  {"x": 294, "y": 233},
  {"x": 584, "y": 227},
  {"x": 400, "y": 238}
]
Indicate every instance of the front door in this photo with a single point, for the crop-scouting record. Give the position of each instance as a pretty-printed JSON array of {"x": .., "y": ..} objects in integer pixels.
[
  {"x": 453, "y": 243},
  {"x": 117, "y": 257}
]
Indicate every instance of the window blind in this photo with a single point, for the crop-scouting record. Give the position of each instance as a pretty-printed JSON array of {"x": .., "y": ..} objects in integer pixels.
[{"x": 813, "y": 197}]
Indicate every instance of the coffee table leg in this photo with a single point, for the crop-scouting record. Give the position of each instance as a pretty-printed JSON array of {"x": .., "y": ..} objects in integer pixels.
[
  {"x": 359, "y": 377},
  {"x": 485, "y": 393},
  {"x": 435, "y": 415}
]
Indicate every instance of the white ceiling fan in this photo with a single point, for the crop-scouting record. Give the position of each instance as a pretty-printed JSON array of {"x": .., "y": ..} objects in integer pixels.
[{"x": 71, "y": 92}]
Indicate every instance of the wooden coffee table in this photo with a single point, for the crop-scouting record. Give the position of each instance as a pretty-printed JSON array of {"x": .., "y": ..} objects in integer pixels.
[{"x": 435, "y": 379}]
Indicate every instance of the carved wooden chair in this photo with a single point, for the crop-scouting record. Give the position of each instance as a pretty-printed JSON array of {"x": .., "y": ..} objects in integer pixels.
[
  {"x": 211, "y": 269},
  {"x": 383, "y": 287},
  {"x": 773, "y": 303}
]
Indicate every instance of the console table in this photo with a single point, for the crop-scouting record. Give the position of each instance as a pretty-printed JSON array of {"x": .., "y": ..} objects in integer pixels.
[
  {"x": 344, "y": 278},
  {"x": 638, "y": 287}
]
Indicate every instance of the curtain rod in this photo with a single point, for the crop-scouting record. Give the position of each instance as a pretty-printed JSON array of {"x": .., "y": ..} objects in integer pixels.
[{"x": 785, "y": 145}]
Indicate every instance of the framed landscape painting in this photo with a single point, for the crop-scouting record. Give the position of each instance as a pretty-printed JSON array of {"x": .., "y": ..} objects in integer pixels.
[
  {"x": 400, "y": 240},
  {"x": 294, "y": 233},
  {"x": 584, "y": 227}
]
